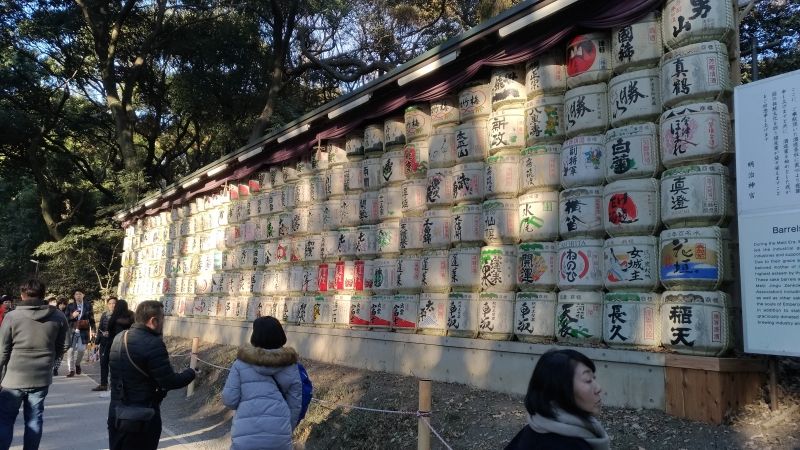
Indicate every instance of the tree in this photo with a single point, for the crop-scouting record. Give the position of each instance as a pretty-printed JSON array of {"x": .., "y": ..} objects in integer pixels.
[{"x": 773, "y": 29}]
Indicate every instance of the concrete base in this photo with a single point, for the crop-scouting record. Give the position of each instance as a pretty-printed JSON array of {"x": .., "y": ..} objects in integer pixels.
[{"x": 631, "y": 379}]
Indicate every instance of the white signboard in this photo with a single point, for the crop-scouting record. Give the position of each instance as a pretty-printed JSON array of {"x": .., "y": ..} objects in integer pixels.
[{"x": 768, "y": 182}]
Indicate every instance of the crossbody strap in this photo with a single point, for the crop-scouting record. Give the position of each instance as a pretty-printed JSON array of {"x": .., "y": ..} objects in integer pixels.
[{"x": 125, "y": 343}]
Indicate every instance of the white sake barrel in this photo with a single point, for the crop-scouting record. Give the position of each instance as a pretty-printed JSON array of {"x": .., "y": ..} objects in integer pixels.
[
  {"x": 296, "y": 278},
  {"x": 631, "y": 319},
  {"x": 322, "y": 311},
  {"x": 580, "y": 264},
  {"x": 474, "y": 100},
  {"x": 340, "y": 310},
  {"x": 392, "y": 166},
  {"x": 466, "y": 225},
  {"x": 332, "y": 214},
  {"x": 537, "y": 268},
  {"x": 418, "y": 122},
  {"x": 631, "y": 263},
  {"x": 468, "y": 182},
  {"x": 390, "y": 200},
  {"x": 371, "y": 169},
  {"x": 281, "y": 279},
  {"x": 275, "y": 202},
  {"x": 334, "y": 181},
  {"x": 687, "y": 21},
  {"x": 411, "y": 229},
  {"x": 276, "y": 177},
  {"x": 405, "y": 311},
  {"x": 316, "y": 213},
  {"x": 299, "y": 225},
  {"x": 692, "y": 258},
  {"x": 436, "y": 228},
  {"x": 384, "y": 277},
  {"x": 258, "y": 207},
  {"x": 696, "y": 322},
  {"x": 269, "y": 252},
  {"x": 632, "y": 207},
  {"x": 696, "y": 196},
  {"x": 366, "y": 241},
  {"x": 363, "y": 273},
  {"x": 368, "y": 207},
  {"x": 346, "y": 242},
  {"x": 445, "y": 111},
  {"x": 496, "y": 315},
  {"x": 337, "y": 153},
  {"x": 634, "y": 97},
  {"x": 360, "y": 311},
  {"x": 328, "y": 244},
  {"x": 581, "y": 212},
  {"x": 501, "y": 178},
  {"x": 534, "y": 316},
  {"x": 307, "y": 165},
  {"x": 465, "y": 269},
  {"x": 345, "y": 276},
  {"x": 289, "y": 172},
  {"x": 462, "y": 314},
  {"x": 283, "y": 252},
  {"x": 381, "y": 312},
  {"x": 415, "y": 159},
  {"x": 582, "y": 162},
  {"x": 500, "y": 219},
  {"x": 320, "y": 159},
  {"x": 546, "y": 73},
  {"x": 508, "y": 85},
  {"x": 632, "y": 152},
  {"x": 389, "y": 237},
  {"x": 544, "y": 119},
  {"x": 312, "y": 248},
  {"x": 394, "y": 132},
  {"x": 498, "y": 268},
  {"x": 373, "y": 138},
  {"x": 507, "y": 129},
  {"x": 538, "y": 216},
  {"x": 540, "y": 168},
  {"x": 588, "y": 59},
  {"x": 472, "y": 140},
  {"x": 439, "y": 189},
  {"x": 412, "y": 197},
  {"x": 408, "y": 273},
  {"x": 694, "y": 73},
  {"x": 442, "y": 147},
  {"x": 264, "y": 181},
  {"x": 432, "y": 314},
  {"x": 586, "y": 110},
  {"x": 290, "y": 195},
  {"x": 435, "y": 275},
  {"x": 324, "y": 272},
  {"x": 354, "y": 144},
  {"x": 353, "y": 177},
  {"x": 579, "y": 317},
  {"x": 348, "y": 209},
  {"x": 297, "y": 249},
  {"x": 695, "y": 134}
]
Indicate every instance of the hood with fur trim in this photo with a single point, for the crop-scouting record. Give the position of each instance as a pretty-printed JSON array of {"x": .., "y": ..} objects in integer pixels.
[{"x": 281, "y": 357}]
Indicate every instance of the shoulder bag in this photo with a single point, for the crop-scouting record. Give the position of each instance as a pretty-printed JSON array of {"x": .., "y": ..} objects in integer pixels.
[{"x": 131, "y": 418}]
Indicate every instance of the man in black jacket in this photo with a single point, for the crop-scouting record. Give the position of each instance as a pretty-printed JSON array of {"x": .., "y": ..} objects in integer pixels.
[
  {"x": 81, "y": 320},
  {"x": 147, "y": 388}
]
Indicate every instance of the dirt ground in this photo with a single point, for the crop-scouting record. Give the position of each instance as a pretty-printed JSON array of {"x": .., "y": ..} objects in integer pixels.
[{"x": 466, "y": 418}]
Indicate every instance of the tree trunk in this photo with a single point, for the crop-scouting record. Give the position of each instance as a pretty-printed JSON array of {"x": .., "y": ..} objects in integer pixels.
[{"x": 275, "y": 86}]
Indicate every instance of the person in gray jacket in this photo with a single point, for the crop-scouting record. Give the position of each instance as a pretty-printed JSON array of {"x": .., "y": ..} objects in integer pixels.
[
  {"x": 31, "y": 339},
  {"x": 264, "y": 388}
]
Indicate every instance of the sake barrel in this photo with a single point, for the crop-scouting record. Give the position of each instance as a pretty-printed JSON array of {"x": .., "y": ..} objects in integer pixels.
[
  {"x": 418, "y": 122},
  {"x": 685, "y": 22},
  {"x": 363, "y": 273},
  {"x": 500, "y": 219},
  {"x": 337, "y": 154},
  {"x": 390, "y": 199},
  {"x": 340, "y": 310},
  {"x": 389, "y": 237},
  {"x": 411, "y": 229},
  {"x": 634, "y": 97},
  {"x": 474, "y": 100},
  {"x": 501, "y": 178},
  {"x": 445, "y": 111},
  {"x": 290, "y": 195},
  {"x": 472, "y": 140},
  {"x": 442, "y": 147},
  {"x": 579, "y": 316},
  {"x": 349, "y": 210},
  {"x": 631, "y": 319},
  {"x": 534, "y": 316},
  {"x": 368, "y": 207},
  {"x": 408, "y": 273},
  {"x": 465, "y": 269},
  {"x": 384, "y": 276},
  {"x": 696, "y": 322},
  {"x": 312, "y": 251},
  {"x": 405, "y": 309},
  {"x": 289, "y": 172},
  {"x": 415, "y": 159},
  {"x": 432, "y": 314},
  {"x": 580, "y": 264},
  {"x": 283, "y": 252},
  {"x": 306, "y": 165},
  {"x": 638, "y": 44},
  {"x": 328, "y": 244},
  {"x": 344, "y": 279},
  {"x": 366, "y": 244},
  {"x": 371, "y": 171},
  {"x": 538, "y": 216},
  {"x": 631, "y": 263},
  {"x": 276, "y": 177},
  {"x": 360, "y": 311},
  {"x": 353, "y": 177},
  {"x": 580, "y": 212},
  {"x": 435, "y": 272},
  {"x": 696, "y": 133},
  {"x": 496, "y": 315},
  {"x": 695, "y": 196},
  {"x": 695, "y": 72},
  {"x": 298, "y": 225},
  {"x": 354, "y": 144},
  {"x": 498, "y": 268},
  {"x": 632, "y": 152},
  {"x": 588, "y": 59},
  {"x": 334, "y": 181},
  {"x": 412, "y": 197},
  {"x": 439, "y": 189},
  {"x": 462, "y": 314},
  {"x": 322, "y": 311},
  {"x": 316, "y": 214},
  {"x": 540, "y": 168},
  {"x": 392, "y": 166},
  {"x": 373, "y": 138},
  {"x": 586, "y": 110},
  {"x": 546, "y": 73},
  {"x": 468, "y": 182},
  {"x": 692, "y": 258},
  {"x": 264, "y": 181},
  {"x": 466, "y": 226},
  {"x": 380, "y": 317},
  {"x": 346, "y": 242},
  {"x": 324, "y": 271},
  {"x": 507, "y": 129},
  {"x": 436, "y": 228},
  {"x": 544, "y": 119},
  {"x": 632, "y": 207},
  {"x": 536, "y": 267},
  {"x": 582, "y": 162},
  {"x": 508, "y": 85},
  {"x": 275, "y": 202},
  {"x": 394, "y": 132},
  {"x": 296, "y": 278}
]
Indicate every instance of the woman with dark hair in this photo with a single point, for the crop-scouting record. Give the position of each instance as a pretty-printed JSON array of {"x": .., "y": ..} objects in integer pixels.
[
  {"x": 121, "y": 319},
  {"x": 563, "y": 401},
  {"x": 265, "y": 389},
  {"x": 61, "y": 304}
]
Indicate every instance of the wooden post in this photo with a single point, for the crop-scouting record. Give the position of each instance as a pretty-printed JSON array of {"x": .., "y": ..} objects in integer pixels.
[
  {"x": 773, "y": 383},
  {"x": 193, "y": 364},
  {"x": 423, "y": 432}
]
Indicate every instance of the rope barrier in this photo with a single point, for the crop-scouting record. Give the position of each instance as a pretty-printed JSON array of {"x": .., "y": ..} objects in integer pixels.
[
  {"x": 212, "y": 365},
  {"x": 435, "y": 433}
]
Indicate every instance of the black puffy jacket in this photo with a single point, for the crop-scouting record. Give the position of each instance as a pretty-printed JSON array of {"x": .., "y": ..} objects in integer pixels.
[{"x": 148, "y": 351}]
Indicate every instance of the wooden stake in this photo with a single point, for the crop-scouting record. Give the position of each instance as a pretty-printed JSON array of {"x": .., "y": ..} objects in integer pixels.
[
  {"x": 193, "y": 364},
  {"x": 423, "y": 432},
  {"x": 773, "y": 383}
]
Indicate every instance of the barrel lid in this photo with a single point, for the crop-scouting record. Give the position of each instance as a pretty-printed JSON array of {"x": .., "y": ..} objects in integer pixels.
[
  {"x": 542, "y": 149},
  {"x": 462, "y": 295},
  {"x": 545, "y": 100},
  {"x": 594, "y": 139},
  {"x": 573, "y": 296},
  {"x": 538, "y": 296},
  {"x": 537, "y": 246},
  {"x": 627, "y": 76},
  {"x": 581, "y": 191},
  {"x": 632, "y": 184},
  {"x": 644, "y": 297},
  {"x": 697, "y": 169},
  {"x": 597, "y": 88},
  {"x": 709, "y": 297},
  {"x": 631, "y": 240},
  {"x": 572, "y": 243},
  {"x": 468, "y": 208},
  {"x": 694, "y": 49}
]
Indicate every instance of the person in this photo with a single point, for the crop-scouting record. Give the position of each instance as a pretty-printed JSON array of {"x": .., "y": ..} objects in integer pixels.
[
  {"x": 142, "y": 347},
  {"x": 31, "y": 338},
  {"x": 563, "y": 401},
  {"x": 81, "y": 321},
  {"x": 61, "y": 305},
  {"x": 102, "y": 340},
  {"x": 6, "y": 306},
  {"x": 265, "y": 389},
  {"x": 120, "y": 320}
]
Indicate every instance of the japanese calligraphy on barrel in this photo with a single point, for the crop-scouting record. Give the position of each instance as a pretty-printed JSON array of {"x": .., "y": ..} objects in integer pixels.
[
  {"x": 534, "y": 316},
  {"x": 579, "y": 316},
  {"x": 696, "y": 322},
  {"x": 462, "y": 319},
  {"x": 696, "y": 196},
  {"x": 588, "y": 59},
  {"x": 638, "y": 44},
  {"x": 537, "y": 268},
  {"x": 692, "y": 258},
  {"x": 631, "y": 263}
]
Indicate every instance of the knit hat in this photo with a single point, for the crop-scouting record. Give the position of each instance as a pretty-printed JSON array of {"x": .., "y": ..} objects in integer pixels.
[{"x": 267, "y": 333}]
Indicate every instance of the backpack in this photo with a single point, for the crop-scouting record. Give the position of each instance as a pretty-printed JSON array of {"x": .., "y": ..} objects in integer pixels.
[{"x": 308, "y": 390}]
